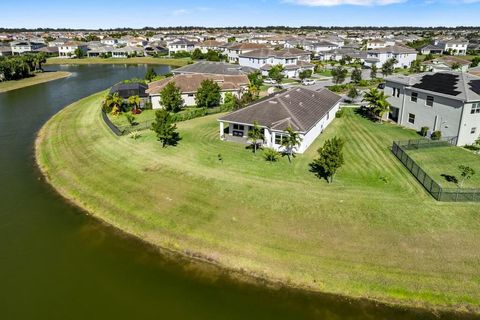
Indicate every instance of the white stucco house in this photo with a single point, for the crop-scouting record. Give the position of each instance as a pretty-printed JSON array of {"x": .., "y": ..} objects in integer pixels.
[
  {"x": 293, "y": 60},
  {"x": 234, "y": 50},
  {"x": 305, "y": 111},
  {"x": 20, "y": 47},
  {"x": 404, "y": 56},
  {"x": 67, "y": 50},
  {"x": 181, "y": 45},
  {"x": 189, "y": 84}
]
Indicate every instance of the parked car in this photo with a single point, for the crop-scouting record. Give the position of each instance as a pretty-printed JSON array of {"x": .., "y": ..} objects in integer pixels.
[
  {"x": 308, "y": 82},
  {"x": 269, "y": 81}
]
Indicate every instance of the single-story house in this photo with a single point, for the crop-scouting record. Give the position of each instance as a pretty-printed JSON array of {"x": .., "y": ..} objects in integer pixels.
[
  {"x": 305, "y": 111},
  {"x": 209, "y": 67},
  {"x": 446, "y": 63},
  {"x": 189, "y": 84},
  {"x": 126, "y": 90}
]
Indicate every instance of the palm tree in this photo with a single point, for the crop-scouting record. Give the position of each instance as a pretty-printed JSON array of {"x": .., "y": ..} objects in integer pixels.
[
  {"x": 290, "y": 141},
  {"x": 254, "y": 135},
  {"x": 135, "y": 101},
  {"x": 112, "y": 102},
  {"x": 377, "y": 101}
]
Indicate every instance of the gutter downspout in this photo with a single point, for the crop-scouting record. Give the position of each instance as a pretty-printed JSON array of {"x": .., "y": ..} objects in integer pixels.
[{"x": 461, "y": 123}]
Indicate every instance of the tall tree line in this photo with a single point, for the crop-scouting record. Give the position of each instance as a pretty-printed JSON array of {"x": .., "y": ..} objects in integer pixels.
[{"x": 19, "y": 67}]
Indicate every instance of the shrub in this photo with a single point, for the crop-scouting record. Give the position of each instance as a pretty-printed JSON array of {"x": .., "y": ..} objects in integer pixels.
[
  {"x": 424, "y": 131},
  {"x": 436, "y": 135},
  {"x": 130, "y": 118},
  {"x": 340, "y": 113},
  {"x": 135, "y": 135},
  {"x": 271, "y": 155},
  {"x": 147, "y": 105}
]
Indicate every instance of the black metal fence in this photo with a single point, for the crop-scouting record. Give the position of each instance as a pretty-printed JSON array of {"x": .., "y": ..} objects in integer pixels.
[{"x": 400, "y": 148}]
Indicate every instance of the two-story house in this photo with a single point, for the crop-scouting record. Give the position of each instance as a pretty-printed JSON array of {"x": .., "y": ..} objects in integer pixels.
[
  {"x": 181, "y": 45},
  {"x": 67, "y": 50},
  {"x": 20, "y": 47},
  {"x": 293, "y": 60},
  {"x": 404, "y": 56},
  {"x": 448, "y": 102},
  {"x": 233, "y": 51}
]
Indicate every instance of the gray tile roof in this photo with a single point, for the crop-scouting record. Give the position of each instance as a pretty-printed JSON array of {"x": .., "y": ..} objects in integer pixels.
[
  {"x": 298, "y": 108},
  {"x": 465, "y": 87},
  {"x": 207, "y": 67}
]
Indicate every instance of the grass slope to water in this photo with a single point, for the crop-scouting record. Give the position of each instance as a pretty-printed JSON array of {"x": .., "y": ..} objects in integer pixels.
[
  {"x": 361, "y": 236},
  {"x": 31, "y": 81},
  {"x": 442, "y": 162},
  {"x": 137, "y": 60}
]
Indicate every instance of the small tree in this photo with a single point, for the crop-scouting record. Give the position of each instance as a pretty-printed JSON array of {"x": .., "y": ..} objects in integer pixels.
[
  {"x": 79, "y": 53},
  {"x": 271, "y": 155},
  {"x": 373, "y": 71},
  {"x": 254, "y": 135},
  {"x": 416, "y": 66},
  {"x": 171, "y": 97},
  {"x": 353, "y": 93},
  {"x": 339, "y": 74},
  {"x": 208, "y": 94},
  {"x": 231, "y": 102},
  {"x": 276, "y": 73},
  {"x": 356, "y": 75},
  {"x": 165, "y": 128},
  {"x": 112, "y": 102},
  {"x": 255, "y": 79},
  {"x": 151, "y": 74},
  {"x": 389, "y": 66},
  {"x": 436, "y": 135},
  {"x": 330, "y": 159},
  {"x": 466, "y": 173},
  {"x": 290, "y": 142},
  {"x": 197, "y": 54},
  {"x": 130, "y": 118},
  {"x": 475, "y": 62},
  {"x": 305, "y": 74}
]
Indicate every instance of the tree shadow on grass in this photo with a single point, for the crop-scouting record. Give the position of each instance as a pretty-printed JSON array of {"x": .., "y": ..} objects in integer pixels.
[
  {"x": 450, "y": 178},
  {"x": 318, "y": 171}
]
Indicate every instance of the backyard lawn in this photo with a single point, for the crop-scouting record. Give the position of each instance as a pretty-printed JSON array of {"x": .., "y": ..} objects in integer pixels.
[
  {"x": 374, "y": 233},
  {"x": 442, "y": 163}
]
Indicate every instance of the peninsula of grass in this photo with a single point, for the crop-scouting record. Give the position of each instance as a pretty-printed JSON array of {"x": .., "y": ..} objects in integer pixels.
[
  {"x": 138, "y": 60},
  {"x": 31, "y": 81},
  {"x": 374, "y": 233}
]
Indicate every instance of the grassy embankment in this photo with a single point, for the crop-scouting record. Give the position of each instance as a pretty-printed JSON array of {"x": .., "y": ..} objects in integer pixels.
[
  {"x": 137, "y": 60},
  {"x": 31, "y": 81},
  {"x": 373, "y": 233},
  {"x": 442, "y": 163}
]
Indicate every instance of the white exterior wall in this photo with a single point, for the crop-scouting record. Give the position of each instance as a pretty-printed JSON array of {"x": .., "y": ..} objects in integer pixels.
[
  {"x": 313, "y": 134},
  {"x": 469, "y": 121},
  {"x": 69, "y": 51},
  {"x": 404, "y": 59}
]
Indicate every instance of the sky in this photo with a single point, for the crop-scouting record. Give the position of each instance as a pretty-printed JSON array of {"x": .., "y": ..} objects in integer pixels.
[{"x": 158, "y": 13}]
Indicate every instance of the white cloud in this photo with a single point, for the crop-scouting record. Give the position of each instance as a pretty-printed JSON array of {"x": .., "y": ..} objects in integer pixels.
[
  {"x": 331, "y": 3},
  {"x": 180, "y": 12}
]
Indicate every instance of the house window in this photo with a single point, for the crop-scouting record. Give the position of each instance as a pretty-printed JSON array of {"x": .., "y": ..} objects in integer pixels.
[
  {"x": 278, "y": 138},
  {"x": 411, "y": 118},
  {"x": 473, "y": 130},
  {"x": 414, "y": 97},
  {"x": 238, "y": 127},
  {"x": 429, "y": 101},
  {"x": 394, "y": 92},
  {"x": 475, "y": 108}
]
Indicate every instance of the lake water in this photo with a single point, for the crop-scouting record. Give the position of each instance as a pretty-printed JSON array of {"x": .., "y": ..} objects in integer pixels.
[{"x": 58, "y": 263}]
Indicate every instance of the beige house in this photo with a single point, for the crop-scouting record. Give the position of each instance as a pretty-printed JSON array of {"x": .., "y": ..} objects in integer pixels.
[{"x": 189, "y": 84}]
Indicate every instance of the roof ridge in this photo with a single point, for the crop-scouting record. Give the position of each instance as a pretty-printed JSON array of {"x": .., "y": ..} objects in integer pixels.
[{"x": 295, "y": 120}]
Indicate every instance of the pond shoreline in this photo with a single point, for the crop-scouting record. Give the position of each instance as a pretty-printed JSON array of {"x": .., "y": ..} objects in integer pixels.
[
  {"x": 38, "y": 78},
  {"x": 242, "y": 274}
]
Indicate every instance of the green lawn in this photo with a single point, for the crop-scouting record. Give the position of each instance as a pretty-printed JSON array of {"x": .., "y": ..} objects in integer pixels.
[
  {"x": 325, "y": 73},
  {"x": 442, "y": 162},
  {"x": 121, "y": 121},
  {"x": 31, "y": 81},
  {"x": 374, "y": 233},
  {"x": 137, "y": 60}
]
